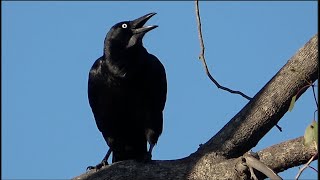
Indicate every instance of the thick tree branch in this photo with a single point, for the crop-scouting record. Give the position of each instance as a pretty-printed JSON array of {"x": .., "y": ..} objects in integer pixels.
[
  {"x": 127, "y": 170},
  {"x": 283, "y": 156},
  {"x": 268, "y": 106},
  {"x": 278, "y": 157}
]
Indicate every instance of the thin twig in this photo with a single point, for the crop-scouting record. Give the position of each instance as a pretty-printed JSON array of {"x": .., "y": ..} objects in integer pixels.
[
  {"x": 314, "y": 114},
  {"x": 202, "y": 58},
  {"x": 305, "y": 166},
  {"x": 314, "y": 95},
  {"x": 313, "y": 168},
  {"x": 280, "y": 129}
]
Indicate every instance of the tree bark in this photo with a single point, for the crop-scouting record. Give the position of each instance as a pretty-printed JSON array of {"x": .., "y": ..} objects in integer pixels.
[{"x": 218, "y": 158}]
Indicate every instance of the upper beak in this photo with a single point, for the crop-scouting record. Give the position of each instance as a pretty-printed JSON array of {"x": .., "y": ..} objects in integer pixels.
[{"x": 137, "y": 24}]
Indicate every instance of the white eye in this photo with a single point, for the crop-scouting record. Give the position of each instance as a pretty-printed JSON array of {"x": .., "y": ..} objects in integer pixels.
[{"x": 124, "y": 25}]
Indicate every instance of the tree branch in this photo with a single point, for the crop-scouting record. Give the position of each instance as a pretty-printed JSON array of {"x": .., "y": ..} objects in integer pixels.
[
  {"x": 278, "y": 157},
  {"x": 268, "y": 106},
  {"x": 283, "y": 156}
]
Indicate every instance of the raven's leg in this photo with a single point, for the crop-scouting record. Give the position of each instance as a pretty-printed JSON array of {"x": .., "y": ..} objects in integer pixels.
[
  {"x": 149, "y": 153},
  {"x": 152, "y": 139},
  {"x": 103, "y": 162}
]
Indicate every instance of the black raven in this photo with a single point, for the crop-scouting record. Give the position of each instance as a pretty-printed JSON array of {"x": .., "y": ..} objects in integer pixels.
[{"x": 127, "y": 91}]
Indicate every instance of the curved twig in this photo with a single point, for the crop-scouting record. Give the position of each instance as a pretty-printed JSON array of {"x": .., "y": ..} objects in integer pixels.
[{"x": 202, "y": 58}]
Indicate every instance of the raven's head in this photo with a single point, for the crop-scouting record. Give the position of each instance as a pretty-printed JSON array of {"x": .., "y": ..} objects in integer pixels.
[{"x": 127, "y": 34}]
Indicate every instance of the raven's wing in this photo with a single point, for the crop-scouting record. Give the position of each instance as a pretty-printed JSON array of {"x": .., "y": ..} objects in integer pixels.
[
  {"x": 156, "y": 92},
  {"x": 95, "y": 89},
  {"x": 158, "y": 83}
]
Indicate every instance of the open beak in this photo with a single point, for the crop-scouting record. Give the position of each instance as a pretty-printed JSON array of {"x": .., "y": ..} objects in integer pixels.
[{"x": 137, "y": 24}]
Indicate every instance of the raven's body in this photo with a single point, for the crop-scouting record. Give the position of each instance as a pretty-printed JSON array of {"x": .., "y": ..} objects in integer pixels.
[{"x": 127, "y": 92}]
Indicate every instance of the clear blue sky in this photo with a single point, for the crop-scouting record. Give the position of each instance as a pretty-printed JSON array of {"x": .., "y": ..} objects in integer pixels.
[{"x": 48, "y": 130}]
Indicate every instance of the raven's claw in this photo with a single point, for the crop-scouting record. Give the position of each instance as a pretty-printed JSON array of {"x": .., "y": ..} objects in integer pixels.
[{"x": 98, "y": 166}]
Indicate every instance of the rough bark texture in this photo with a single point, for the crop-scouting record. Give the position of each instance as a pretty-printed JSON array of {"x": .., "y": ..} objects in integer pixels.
[
  {"x": 286, "y": 155},
  {"x": 218, "y": 158}
]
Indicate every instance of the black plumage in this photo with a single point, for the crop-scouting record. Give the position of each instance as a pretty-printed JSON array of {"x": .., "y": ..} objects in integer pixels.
[{"x": 127, "y": 90}]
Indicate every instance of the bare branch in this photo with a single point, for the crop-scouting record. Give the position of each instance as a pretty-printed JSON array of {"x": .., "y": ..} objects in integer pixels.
[
  {"x": 203, "y": 60},
  {"x": 283, "y": 156}
]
